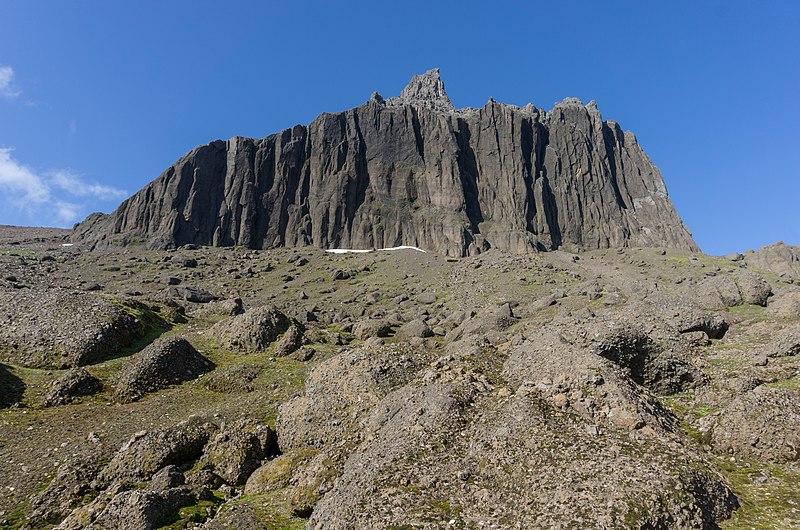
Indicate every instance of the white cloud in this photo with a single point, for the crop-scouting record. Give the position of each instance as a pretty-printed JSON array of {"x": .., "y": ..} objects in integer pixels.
[
  {"x": 20, "y": 180},
  {"x": 67, "y": 212},
  {"x": 55, "y": 197},
  {"x": 7, "y": 87},
  {"x": 73, "y": 185}
]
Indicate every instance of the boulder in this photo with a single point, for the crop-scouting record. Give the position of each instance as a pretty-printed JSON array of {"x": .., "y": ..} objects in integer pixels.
[
  {"x": 754, "y": 289},
  {"x": 290, "y": 342},
  {"x": 141, "y": 509},
  {"x": 74, "y": 383},
  {"x": 237, "y": 516},
  {"x": 228, "y": 307},
  {"x": 414, "y": 328},
  {"x": 71, "y": 484},
  {"x": 761, "y": 423},
  {"x": 58, "y": 328},
  {"x": 149, "y": 451},
  {"x": 191, "y": 293},
  {"x": 236, "y": 451},
  {"x": 253, "y": 331},
  {"x": 719, "y": 292},
  {"x": 372, "y": 327},
  {"x": 163, "y": 363},
  {"x": 168, "y": 477}
]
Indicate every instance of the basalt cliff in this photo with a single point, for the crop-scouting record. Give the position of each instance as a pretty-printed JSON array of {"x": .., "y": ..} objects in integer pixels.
[{"x": 410, "y": 170}]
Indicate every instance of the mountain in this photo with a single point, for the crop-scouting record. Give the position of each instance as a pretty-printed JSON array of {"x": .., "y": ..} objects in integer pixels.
[{"x": 410, "y": 170}]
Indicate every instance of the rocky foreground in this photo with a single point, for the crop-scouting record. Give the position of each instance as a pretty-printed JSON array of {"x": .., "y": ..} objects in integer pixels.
[{"x": 209, "y": 387}]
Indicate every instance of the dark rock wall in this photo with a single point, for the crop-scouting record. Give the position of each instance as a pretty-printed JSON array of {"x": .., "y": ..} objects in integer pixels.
[{"x": 411, "y": 171}]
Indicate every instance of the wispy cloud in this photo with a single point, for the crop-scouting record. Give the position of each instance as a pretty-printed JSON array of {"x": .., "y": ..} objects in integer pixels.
[
  {"x": 53, "y": 197},
  {"x": 7, "y": 87},
  {"x": 21, "y": 181},
  {"x": 67, "y": 212},
  {"x": 69, "y": 182}
]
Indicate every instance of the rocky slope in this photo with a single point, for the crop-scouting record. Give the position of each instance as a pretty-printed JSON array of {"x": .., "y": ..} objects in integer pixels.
[
  {"x": 411, "y": 170},
  {"x": 294, "y": 388}
]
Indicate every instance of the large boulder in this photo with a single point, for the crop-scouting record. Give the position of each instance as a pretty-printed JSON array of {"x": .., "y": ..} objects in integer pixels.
[
  {"x": 192, "y": 294},
  {"x": 71, "y": 484},
  {"x": 149, "y": 451},
  {"x": 290, "y": 341},
  {"x": 754, "y": 288},
  {"x": 719, "y": 292},
  {"x": 762, "y": 423},
  {"x": 340, "y": 392},
  {"x": 416, "y": 328},
  {"x": 74, "y": 383},
  {"x": 372, "y": 327},
  {"x": 236, "y": 451},
  {"x": 253, "y": 331},
  {"x": 490, "y": 322},
  {"x": 304, "y": 475},
  {"x": 165, "y": 362},
  {"x": 58, "y": 328},
  {"x": 429, "y": 458},
  {"x": 645, "y": 361},
  {"x": 132, "y": 510},
  {"x": 726, "y": 290}
]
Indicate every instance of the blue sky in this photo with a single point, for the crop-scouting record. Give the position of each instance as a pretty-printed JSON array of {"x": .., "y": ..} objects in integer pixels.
[{"x": 97, "y": 98}]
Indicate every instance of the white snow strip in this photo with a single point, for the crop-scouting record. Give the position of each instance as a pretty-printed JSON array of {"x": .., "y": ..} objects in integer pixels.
[
  {"x": 355, "y": 251},
  {"x": 405, "y": 247}
]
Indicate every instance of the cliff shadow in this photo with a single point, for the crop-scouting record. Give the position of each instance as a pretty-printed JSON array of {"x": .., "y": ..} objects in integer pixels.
[
  {"x": 468, "y": 172},
  {"x": 540, "y": 142},
  {"x": 11, "y": 387},
  {"x": 610, "y": 140}
]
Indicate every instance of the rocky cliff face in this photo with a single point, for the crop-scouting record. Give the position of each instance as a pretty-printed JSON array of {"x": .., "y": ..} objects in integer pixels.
[{"x": 411, "y": 170}]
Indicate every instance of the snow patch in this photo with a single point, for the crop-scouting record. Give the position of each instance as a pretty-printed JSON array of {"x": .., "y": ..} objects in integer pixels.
[{"x": 357, "y": 251}]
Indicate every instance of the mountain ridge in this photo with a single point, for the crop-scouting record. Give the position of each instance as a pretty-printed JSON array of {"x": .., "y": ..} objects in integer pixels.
[{"x": 410, "y": 170}]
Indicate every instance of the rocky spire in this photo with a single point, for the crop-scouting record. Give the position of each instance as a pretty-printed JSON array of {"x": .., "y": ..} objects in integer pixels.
[{"x": 424, "y": 90}]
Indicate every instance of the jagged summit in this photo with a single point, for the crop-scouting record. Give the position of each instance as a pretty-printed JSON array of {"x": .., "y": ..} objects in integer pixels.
[
  {"x": 426, "y": 90},
  {"x": 411, "y": 170}
]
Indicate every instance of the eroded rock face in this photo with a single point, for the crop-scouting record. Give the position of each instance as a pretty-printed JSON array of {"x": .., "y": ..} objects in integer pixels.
[
  {"x": 411, "y": 170},
  {"x": 779, "y": 258}
]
